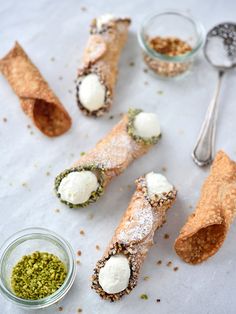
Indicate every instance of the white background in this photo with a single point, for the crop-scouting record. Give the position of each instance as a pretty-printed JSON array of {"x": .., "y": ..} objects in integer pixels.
[{"x": 59, "y": 29}]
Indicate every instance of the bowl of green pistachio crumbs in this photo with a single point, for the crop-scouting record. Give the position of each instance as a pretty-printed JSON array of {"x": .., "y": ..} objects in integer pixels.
[{"x": 37, "y": 268}]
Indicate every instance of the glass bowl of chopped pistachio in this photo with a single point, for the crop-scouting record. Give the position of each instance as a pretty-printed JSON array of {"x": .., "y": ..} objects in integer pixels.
[
  {"x": 170, "y": 41},
  {"x": 37, "y": 268}
]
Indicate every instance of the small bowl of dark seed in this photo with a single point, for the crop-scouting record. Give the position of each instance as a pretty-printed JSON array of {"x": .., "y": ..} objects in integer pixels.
[
  {"x": 170, "y": 42},
  {"x": 37, "y": 268}
]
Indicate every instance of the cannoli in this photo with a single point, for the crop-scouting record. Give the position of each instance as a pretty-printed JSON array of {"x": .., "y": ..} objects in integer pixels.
[
  {"x": 132, "y": 137},
  {"x": 117, "y": 272},
  {"x": 36, "y": 98},
  {"x": 97, "y": 77},
  {"x": 206, "y": 229}
]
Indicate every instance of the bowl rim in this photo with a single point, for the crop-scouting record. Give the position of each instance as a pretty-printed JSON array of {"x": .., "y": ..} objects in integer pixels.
[
  {"x": 46, "y": 234},
  {"x": 200, "y": 30}
]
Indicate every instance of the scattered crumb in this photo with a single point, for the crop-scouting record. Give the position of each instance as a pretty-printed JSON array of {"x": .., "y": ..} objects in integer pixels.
[
  {"x": 57, "y": 210},
  {"x": 11, "y": 184},
  {"x": 164, "y": 169},
  {"x": 97, "y": 247},
  {"x": 31, "y": 133},
  {"x": 48, "y": 173},
  {"x": 72, "y": 155},
  {"x": 69, "y": 91},
  {"x": 121, "y": 114},
  {"x": 60, "y": 308},
  {"x": 84, "y": 9},
  {"x": 145, "y": 83},
  {"x": 81, "y": 232},
  {"x": 160, "y": 92},
  {"x": 190, "y": 206},
  {"x": 82, "y": 153},
  {"x": 146, "y": 278},
  {"x": 79, "y": 310},
  {"x": 169, "y": 264},
  {"x": 28, "y": 126},
  {"x": 78, "y": 262},
  {"x": 145, "y": 70},
  {"x": 158, "y": 300},
  {"x": 52, "y": 59},
  {"x": 129, "y": 186},
  {"x": 24, "y": 184},
  {"x": 90, "y": 216},
  {"x": 159, "y": 262},
  {"x": 111, "y": 117},
  {"x": 166, "y": 236},
  {"x": 176, "y": 268},
  {"x": 75, "y": 81},
  {"x": 4, "y": 120},
  {"x": 79, "y": 253},
  {"x": 131, "y": 64},
  {"x": 60, "y": 78},
  {"x": 143, "y": 296}
]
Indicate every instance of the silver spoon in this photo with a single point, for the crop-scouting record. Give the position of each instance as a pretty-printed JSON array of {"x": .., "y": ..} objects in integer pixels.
[{"x": 220, "y": 52}]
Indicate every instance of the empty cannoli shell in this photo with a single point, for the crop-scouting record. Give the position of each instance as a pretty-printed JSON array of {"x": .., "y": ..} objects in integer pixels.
[
  {"x": 101, "y": 56},
  {"x": 206, "y": 229},
  {"x": 134, "y": 235},
  {"x": 36, "y": 98}
]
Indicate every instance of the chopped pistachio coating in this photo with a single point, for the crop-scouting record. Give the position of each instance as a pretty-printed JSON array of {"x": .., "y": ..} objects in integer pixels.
[
  {"x": 132, "y": 113},
  {"x": 94, "y": 196},
  {"x": 37, "y": 275}
]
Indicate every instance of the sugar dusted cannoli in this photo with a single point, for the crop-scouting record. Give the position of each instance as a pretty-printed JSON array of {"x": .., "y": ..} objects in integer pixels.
[
  {"x": 36, "y": 98},
  {"x": 132, "y": 137},
  {"x": 206, "y": 229},
  {"x": 117, "y": 272},
  {"x": 97, "y": 77}
]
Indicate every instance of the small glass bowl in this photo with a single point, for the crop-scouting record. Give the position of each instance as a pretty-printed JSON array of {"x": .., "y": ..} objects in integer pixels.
[
  {"x": 170, "y": 24},
  {"x": 26, "y": 242}
]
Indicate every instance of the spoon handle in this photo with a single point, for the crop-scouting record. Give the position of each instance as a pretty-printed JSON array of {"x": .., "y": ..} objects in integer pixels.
[{"x": 204, "y": 149}]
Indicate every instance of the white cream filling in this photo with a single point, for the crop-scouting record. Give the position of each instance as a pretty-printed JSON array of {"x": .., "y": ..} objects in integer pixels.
[
  {"x": 77, "y": 187},
  {"x": 104, "y": 19},
  {"x": 92, "y": 92},
  {"x": 146, "y": 125},
  {"x": 114, "y": 276},
  {"x": 157, "y": 184}
]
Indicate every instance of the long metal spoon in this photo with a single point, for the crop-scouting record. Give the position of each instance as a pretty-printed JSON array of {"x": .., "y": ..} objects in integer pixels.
[{"x": 220, "y": 52}]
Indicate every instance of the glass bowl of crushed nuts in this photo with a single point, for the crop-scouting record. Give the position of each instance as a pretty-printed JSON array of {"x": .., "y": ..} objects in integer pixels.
[
  {"x": 170, "y": 42},
  {"x": 37, "y": 268}
]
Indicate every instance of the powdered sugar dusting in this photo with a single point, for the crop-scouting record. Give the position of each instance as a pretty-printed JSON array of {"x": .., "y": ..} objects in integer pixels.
[{"x": 139, "y": 224}]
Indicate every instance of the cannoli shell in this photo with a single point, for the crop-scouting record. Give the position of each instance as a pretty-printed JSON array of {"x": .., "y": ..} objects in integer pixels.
[
  {"x": 134, "y": 235},
  {"x": 101, "y": 56},
  {"x": 114, "y": 152},
  {"x": 36, "y": 98},
  {"x": 206, "y": 229}
]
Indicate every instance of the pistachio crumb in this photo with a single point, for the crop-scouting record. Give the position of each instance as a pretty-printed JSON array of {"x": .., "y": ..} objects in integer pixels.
[
  {"x": 146, "y": 278},
  {"x": 79, "y": 253},
  {"x": 82, "y": 153},
  {"x": 169, "y": 264},
  {"x": 166, "y": 236},
  {"x": 111, "y": 117},
  {"x": 159, "y": 262},
  {"x": 82, "y": 232},
  {"x": 97, "y": 247},
  {"x": 24, "y": 184},
  {"x": 79, "y": 310},
  {"x": 131, "y": 64},
  {"x": 78, "y": 262},
  {"x": 144, "y": 296},
  {"x": 31, "y": 132},
  {"x": 48, "y": 173},
  {"x": 160, "y": 92},
  {"x": 145, "y": 70}
]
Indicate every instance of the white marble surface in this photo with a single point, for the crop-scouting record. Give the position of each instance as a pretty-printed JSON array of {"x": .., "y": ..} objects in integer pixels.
[{"x": 59, "y": 29}]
